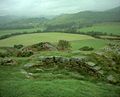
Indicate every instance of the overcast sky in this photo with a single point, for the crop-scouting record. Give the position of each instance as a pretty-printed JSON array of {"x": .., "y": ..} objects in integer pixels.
[{"x": 53, "y": 7}]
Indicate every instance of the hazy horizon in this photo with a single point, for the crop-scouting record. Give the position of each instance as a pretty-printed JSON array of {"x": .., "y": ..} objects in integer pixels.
[{"x": 53, "y": 7}]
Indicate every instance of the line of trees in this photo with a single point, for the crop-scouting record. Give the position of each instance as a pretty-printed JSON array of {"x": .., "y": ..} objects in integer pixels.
[
  {"x": 18, "y": 33},
  {"x": 73, "y": 30}
]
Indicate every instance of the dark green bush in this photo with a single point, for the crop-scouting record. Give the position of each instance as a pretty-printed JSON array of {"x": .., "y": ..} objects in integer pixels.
[
  {"x": 86, "y": 48},
  {"x": 63, "y": 45},
  {"x": 19, "y": 46},
  {"x": 24, "y": 53},
  {"x": 4, "y": 54}
]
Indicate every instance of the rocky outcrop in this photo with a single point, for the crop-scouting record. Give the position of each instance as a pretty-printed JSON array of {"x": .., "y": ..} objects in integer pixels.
[
  {"x": 42, "y": 46},
  {"x": 72, "y": 64},
  {"x": 111, "y": 79},
  {"x": 7, "y": 62}
]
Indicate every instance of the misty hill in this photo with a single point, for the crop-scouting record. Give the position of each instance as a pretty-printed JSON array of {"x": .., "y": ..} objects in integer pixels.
[
  {"x": 7, "y": 19},
  {"x": 9, "y": 22},
  {"x": 117, "y": 9},
  {"x": 62, "y": 22},
  {"x": 85, "y": 18}
]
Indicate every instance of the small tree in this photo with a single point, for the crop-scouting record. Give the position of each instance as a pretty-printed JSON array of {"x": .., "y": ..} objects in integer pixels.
[{"x": 64, "y": 45}]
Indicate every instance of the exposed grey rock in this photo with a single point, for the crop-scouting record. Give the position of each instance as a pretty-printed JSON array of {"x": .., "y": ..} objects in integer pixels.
[
  {"x": 111, "y": 79},
  {"x": 39, "y": 70},
  {"x": 7, "y": 62},
  {"x": 28, "y": 65},
  {"x": 101, "y": 72},
  {"x": 97, "y": 68},
  {"x": 74, "y": 63},
  {"x": 49, "y": 47},
  {"x": 91, "y": 64}
]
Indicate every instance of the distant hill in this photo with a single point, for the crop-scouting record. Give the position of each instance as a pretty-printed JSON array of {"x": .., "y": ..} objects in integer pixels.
[
  {"x": 85, "y": 18},
  {"x": 9, "y": 22},
  {"x": 62, "y": 22},
  {"x": 7, "y": 19},
  {"x": 117, "y": 9}
]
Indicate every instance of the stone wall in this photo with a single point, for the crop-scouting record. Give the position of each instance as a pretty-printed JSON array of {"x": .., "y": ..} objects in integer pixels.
[{"x": 72, "y": 64}]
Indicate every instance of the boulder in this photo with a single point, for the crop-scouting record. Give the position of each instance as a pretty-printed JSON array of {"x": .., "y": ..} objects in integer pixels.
[
  {"x": 39, "y": 70},
  {"x": 97, "y": 68},
  {"x": 28, "y": 65},
  {"x": 58, "y": 59},
  {"x": 7, "y": 62},
  {"x": 48, "y": 60},
  {"x": 49, "y": 46},
  {"x": 90, "y": 64},
  {"x": 73, "y": 62},
  {"x": 101, "y": 72},
  {"x": 111, "y": 79}
]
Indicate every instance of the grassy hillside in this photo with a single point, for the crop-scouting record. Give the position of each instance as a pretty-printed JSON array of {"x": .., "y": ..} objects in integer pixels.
[
  {"x": 86, "y": 17},
  {"x": 62, "y": 22},
  {"x": 83, "y": 19},
  {"x": 15, "y": 84},
  {"x": 94, "y": 43},
  {"x": 109, "y": 28},
  {"x": 20, "y": 22},
  {"x": 55, "y": 81},
  {"x": 52, "y": 82}
]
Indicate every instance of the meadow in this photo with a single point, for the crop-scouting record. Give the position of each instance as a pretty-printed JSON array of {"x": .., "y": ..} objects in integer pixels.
[
  {"x": 9, "y": 31},
  {"x": 95, "y": 43},
  {"x": 108, "y": 28},
  {"x": 29, "y": 39},
  {"x": 77, "y": 40}
]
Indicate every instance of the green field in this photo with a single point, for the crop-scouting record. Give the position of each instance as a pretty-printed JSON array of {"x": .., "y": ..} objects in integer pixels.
[
  {"x": 108, "y": 28},
  {"x": 41, "y": 37},
  {"x": 94, "y": 43},
  {"x": 77, "y": 40},
  {"x": 4, "y": 32}
]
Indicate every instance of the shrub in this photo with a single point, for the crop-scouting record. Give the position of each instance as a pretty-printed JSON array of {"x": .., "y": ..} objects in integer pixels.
[
  {"x": 63, "y": 45},
  {"x": 18, "y": 46},
  {"x": 4, "y": 54},
  {"x": 86, "y": 48},
  {"x": 24, "y": 53}
]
